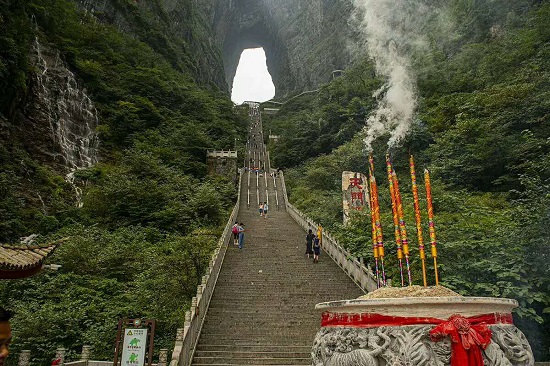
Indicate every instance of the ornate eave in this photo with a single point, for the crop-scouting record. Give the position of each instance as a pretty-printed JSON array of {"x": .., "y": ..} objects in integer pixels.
[{"x": 23, "y": 260}]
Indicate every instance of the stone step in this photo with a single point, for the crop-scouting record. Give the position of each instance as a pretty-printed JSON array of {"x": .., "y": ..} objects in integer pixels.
[
  {"x": 252, "y": 354},
  {"x": 256, "y": 347},
  {"x": 274, "y": 297},
  {"x": 248, "y": 364},
  {"x": 304, "y": 316},
  {"x": 234, "y": 326},
  {"x": 240, "y": 312},
  {"x": 247, "y": 338},
  {"x": 266, "y": 304},
  {"x": 263, "y": 308},
  {"x": 310, "y": 292},
  {"x": 248, "y": 330},
  {"x": 251, "y": 361}
]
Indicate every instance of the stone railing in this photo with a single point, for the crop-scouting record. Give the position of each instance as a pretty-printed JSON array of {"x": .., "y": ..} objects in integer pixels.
[
  {"x": 84, "y": 360},
  {"x": 188, "y": 336},
  {"x": 360, "y": 274}
]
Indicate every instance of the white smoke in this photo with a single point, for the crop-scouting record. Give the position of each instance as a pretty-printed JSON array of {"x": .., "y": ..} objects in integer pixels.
[{"x": 391, "y": 30}]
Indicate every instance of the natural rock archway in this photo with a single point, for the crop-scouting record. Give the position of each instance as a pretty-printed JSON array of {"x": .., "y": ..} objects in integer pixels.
[
  {"x": 303, "y": 40},
  {"x": 244, "y": 24}
]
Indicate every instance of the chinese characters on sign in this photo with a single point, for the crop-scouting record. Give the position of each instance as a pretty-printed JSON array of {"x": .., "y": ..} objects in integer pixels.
[
  {"x": 354, "y": 193},
  {"x": 133, "y": 347}
]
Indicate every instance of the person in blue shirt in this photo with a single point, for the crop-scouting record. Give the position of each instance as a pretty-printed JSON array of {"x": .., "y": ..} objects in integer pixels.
[
  {"x": 316, "y": 249},
  {"x": 241, "y": 235}
]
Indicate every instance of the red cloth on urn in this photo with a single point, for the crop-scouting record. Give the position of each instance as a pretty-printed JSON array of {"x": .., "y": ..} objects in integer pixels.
[{"x": 467, "y": 340}]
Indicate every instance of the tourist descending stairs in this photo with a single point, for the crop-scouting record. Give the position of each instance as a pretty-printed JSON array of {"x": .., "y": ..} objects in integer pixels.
[{"x": 262, "y": 311}]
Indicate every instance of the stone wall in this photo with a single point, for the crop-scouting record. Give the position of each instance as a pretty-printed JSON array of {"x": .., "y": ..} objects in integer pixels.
[{"x": 222, "y": 163}]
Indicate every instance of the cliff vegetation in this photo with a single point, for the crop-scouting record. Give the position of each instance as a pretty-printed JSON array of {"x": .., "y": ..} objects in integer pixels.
[
  {"x": 482, "y": 127},
  {"x": 150, "y": 216}
]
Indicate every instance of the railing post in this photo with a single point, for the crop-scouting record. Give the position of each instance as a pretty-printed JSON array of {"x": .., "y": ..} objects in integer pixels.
[
  {"x": 193, "y": 307},
  {"x": 86, "y": 352},
  {"x": 163, "y": 357},
  {"x": 199, "y": 294},
  {"x": 180, "y": 332},
  {"x": 24, "y": 358},
  {"x": 60, "y": 355}
]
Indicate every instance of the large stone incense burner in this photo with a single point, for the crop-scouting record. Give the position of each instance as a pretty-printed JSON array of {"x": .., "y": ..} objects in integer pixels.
[{"x": 423, "y": 331}]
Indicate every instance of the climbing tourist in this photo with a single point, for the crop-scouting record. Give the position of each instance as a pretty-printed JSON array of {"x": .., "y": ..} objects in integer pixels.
[
  {"x": 316, "y": 249},
  {"x": 261, "y": 209},
  {"x": 241, "y": 235},
  {"x": 320, "y": 234},
  {"x": 309, "y": 243},
  {"x": 266, "y": 208},
  {"x": 235, "y": 231},
  {"x": 5, "y": 335}
]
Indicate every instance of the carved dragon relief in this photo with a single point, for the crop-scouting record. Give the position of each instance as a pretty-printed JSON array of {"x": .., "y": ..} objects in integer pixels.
[{"x": 411, "y": 345}]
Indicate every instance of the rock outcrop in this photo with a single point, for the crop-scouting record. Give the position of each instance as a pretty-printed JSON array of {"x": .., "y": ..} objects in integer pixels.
[
  {"x": 62, "y": 111},
  {"x": 180, "y": 30}
]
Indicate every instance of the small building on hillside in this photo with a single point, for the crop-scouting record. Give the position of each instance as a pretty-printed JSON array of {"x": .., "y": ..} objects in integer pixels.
[
  {"x": 222, "y": 162},
  {"x": 270, "y": 110},
  {"x": 274, "y": 138}
]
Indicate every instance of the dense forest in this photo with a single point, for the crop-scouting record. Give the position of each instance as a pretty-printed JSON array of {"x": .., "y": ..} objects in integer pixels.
[
  {"x": 482, "y": 128},
  {"x": 149, "y": 209}
]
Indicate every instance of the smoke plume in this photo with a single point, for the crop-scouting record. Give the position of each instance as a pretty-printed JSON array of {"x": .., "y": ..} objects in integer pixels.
[{"x": 391, "y": 31}]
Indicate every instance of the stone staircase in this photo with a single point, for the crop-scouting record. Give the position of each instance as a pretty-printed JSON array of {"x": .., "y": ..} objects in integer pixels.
[{"x": 262, "y": 309}]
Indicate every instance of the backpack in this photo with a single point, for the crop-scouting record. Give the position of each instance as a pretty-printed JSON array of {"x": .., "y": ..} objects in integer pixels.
[
  {"x": 316, "y": 242},
  {"x": 235, "y": 229}
]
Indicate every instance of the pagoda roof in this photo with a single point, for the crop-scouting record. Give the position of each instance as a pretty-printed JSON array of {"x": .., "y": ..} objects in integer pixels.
[{"x": 18, "y": 261}]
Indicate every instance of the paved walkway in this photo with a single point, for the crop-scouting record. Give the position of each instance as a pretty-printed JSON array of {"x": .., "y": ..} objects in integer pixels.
[{"x": 262, "y": 310}]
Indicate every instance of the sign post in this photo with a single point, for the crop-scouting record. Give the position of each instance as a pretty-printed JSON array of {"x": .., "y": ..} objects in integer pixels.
[
  {"x": 137, "y": 337},
  {"x": 355, "y": 196}
]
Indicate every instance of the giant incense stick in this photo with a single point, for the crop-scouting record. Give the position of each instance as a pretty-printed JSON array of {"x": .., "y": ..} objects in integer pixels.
[
  {"x": 374, "y": 241},
  {"x": 376, "y": 206},
  {"x": 400, "y": 215},
  {"x": 418, "y": 221},
  {"x": 433, "y": 241},
  {"x": 395, "y": 220}
]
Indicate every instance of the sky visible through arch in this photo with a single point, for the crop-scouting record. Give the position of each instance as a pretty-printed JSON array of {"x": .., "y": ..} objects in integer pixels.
[{"x": 252, "y": 80}]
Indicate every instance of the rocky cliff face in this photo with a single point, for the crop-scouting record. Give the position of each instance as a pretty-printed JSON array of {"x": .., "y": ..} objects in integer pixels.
[
  {"x": 304, "y": 40},
  {"x": 56, "y": 120},
  {"x": 62, "y": 111},
  {"x": 180, "y": 30}
]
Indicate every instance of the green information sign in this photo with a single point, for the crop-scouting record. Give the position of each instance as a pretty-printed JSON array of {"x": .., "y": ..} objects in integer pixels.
[{"x": 133, "y": 347}]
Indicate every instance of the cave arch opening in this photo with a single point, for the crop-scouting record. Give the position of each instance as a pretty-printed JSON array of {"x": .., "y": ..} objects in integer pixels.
[{"x": 252, "y": 80}]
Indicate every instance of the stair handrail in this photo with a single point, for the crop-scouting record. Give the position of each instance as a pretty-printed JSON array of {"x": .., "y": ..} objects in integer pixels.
[
  {"x": 188, "y": 336},
  {"x": 357, "y": 271}
]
